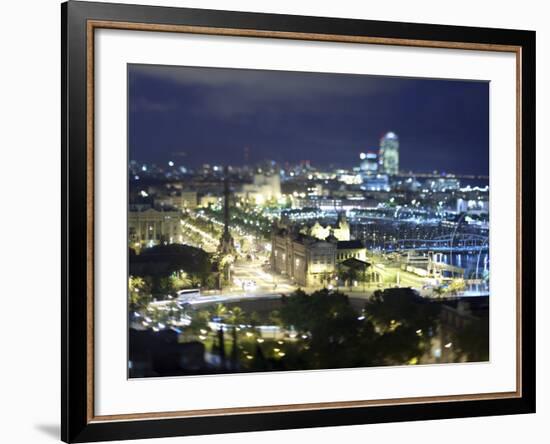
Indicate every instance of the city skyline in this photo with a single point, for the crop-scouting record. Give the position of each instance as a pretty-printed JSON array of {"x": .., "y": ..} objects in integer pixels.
[
  {"x": 292, "y": 116},
  {"x": 329, "y": 256}
]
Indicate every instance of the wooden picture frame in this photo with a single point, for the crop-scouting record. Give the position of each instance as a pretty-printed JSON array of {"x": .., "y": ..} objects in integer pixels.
[{"x": 79, "y": 22}]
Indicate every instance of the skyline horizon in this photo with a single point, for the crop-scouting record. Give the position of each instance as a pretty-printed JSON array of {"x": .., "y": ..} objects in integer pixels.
[
  {"x": 164, "y": 164},
  {"x": 192, "y": 115}
]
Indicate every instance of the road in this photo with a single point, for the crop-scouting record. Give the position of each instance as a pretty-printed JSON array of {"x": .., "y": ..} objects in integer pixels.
[
  {"x": 252, "y": 271},
  {"x": 269, "y": 286}
]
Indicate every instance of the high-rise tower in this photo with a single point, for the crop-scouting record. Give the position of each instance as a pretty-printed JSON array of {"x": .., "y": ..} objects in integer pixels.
[
  {"x": 369, "y": 162},
  {"x": 388, "y": 159}
]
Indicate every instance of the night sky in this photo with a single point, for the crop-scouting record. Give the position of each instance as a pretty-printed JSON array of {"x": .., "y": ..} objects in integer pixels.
[{"x": 209, "y": 115}]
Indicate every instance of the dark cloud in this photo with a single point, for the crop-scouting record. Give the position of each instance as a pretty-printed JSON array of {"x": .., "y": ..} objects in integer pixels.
[{"x": 213, "y": 113}]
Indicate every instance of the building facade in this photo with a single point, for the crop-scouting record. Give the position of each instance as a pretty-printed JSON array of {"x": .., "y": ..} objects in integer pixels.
[
  {"x": 350, "y": 249},
  {"x": 388, "y": 158},
  {"x": 305, "y": 259},
  {"x": 181, "y": 200},
  {"x": 341, "y": 230},
  {"x": 209, "y": 200},
  {"x": 308, "y": 260},
  {"x": 150, "y": 227},
  {"x": 376, "y": 182},
  {"x": 264, "y": 188},
  {"x": 369, "y": 162}
]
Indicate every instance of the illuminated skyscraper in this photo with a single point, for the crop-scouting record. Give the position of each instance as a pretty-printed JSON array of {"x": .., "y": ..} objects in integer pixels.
[
  {"x": 388, "y": 159},
  {"x": 369, "y": 162}
]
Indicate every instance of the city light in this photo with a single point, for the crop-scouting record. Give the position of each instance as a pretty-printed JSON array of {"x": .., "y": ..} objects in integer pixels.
[{"x": 354, "y": 251}]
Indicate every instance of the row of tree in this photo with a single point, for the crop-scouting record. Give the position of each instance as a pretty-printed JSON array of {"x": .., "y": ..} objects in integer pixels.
[
  {"x": 395, "y": 327},
  {"x": 165, "y": 269}
]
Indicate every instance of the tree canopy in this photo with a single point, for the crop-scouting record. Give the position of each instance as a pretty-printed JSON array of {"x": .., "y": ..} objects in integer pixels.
[
  {"x": 339, "y": 337},
  {"x": 173, "y": 266}
]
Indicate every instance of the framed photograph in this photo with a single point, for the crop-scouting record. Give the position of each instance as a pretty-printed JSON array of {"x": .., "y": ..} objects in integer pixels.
[{"x": 276, "y": 221}]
